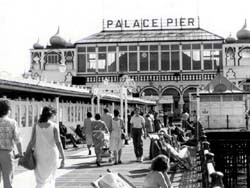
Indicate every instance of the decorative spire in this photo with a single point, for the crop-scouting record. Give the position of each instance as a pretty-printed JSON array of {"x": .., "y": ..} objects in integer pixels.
[
  {"x": 58, "y": 30},
  {"x": 245, "y": 25}
]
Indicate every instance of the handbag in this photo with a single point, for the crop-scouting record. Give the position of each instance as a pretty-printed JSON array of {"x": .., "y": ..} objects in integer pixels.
[{"x": 28, "y": 161}]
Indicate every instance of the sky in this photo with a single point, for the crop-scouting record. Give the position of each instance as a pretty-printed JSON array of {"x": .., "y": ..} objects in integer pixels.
[{"x": 22, "y": 22}]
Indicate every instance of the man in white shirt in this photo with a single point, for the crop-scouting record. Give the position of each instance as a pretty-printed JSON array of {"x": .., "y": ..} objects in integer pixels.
[{"x": 138, "y": 128}]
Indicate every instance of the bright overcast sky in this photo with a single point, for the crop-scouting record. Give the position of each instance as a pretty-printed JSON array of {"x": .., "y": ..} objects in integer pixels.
[{"x": 23, "y": 21}]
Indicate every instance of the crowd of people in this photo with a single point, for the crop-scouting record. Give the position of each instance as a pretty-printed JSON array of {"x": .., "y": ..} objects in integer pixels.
[{"x": 168, "y": 150}]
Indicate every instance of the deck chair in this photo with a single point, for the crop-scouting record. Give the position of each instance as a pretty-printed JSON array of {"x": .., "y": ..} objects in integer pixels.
[
  {"x": 112, "y": 180},
  {"x": 77, "y": 137}
]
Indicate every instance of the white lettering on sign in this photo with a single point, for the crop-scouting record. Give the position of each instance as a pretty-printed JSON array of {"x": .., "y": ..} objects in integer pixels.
[{"x": 168, "y": 23}]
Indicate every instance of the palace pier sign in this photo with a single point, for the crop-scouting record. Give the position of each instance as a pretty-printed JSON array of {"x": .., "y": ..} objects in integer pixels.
[{"x": 146, "y": 24}]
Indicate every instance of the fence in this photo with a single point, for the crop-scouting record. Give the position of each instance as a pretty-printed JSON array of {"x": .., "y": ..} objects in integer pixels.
[
  {"x": 224, "y": 121},
  {"x": 210, "y": 177},
  {"x": 232, "y": 156}
]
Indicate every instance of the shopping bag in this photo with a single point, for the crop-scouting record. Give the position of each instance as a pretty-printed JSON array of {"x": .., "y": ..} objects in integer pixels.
[{"x": 28, "y": 161}]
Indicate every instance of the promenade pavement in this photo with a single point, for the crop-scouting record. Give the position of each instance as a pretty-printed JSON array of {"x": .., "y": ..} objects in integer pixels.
[{"x": 80, "y": 170}]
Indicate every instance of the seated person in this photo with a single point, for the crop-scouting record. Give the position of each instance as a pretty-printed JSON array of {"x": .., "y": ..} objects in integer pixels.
[
  {"x": 79, "y": 131},
  {"x": 182, "y": 155},
  {"x": 64, "y": 135},
  {"x": 158, "y": 177}
]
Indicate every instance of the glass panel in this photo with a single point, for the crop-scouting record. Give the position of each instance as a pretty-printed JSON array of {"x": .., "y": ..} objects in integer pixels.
[
  {"x": 205, "y": 98},
  {"x": 207, "y": 57},
  {"x": 196, "y": 46},
  {"x": 196, "y": 60},
  {"x": 165, "y": 61},
  {"x": 123, "y": 59},
  {"x": 102, "y": 64},
  {"x": 230, "y": 57},
  {"x": 23, "y": 115},
  {"x": 154, "y": 47},
  {"x": 237, "y": 98},
  {"x": 132, "y": 48},
  {"x": 207, "y": 46},
  {"x": 133, "y": 61},
  {"x": 186, "y": 60},
  {"x": 111, "y": 62},
  {"x": 175, "y": 61},
  {"x": 186, "y": 46},
  {"x": 81, "y": 49},
  {"x": 111, "y": 48},
  {"x": 81, "y": 63},
  {"x": 143, "y": 61},
  {"x": 227, "y": 98},
  {"x": 154, "y": 61},
  {"x": 174, "y": 47},
  {"x": 122, "y": 48},
  {"x": 244, "y": 56},
  {"x": 91, "y": 49},
  {"x": 102, "y": 49},
  {"x": 165, "y": 47},
  {"x": 30, "y": 116},
  {"x": 217, "y": 46},
  {"x": 91, "y": 62},
  {"x": 216, "y": 58},
  {"x": 143, "y": 48},
  {"x": 215, "y": 98}
]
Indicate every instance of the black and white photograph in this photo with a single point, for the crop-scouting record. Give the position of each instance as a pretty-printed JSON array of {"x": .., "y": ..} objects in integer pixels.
[{"x": 124, "y": 94}]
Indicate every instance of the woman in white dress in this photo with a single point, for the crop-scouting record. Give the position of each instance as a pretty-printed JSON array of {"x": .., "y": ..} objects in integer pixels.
[
  {"x": 47, "y": 145},
  {"x": 115, "y": 139}
]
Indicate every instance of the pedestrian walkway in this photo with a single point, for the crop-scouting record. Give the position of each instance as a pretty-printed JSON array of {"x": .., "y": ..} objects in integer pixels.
[{"x": 80, "y": 170}]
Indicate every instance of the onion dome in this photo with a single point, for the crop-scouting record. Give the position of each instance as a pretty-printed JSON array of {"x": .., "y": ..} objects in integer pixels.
[
  {"x": 243, "y": 34},
  {"x": 230, "y": 39},
  {"x": 69, "y": 44},
  {"x": 57, "y": 41},
  {"x": 37, "y": 45}
]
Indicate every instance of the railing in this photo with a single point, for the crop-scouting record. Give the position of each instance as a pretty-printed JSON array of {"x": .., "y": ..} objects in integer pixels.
[
  {"x": 210, "y": 177},
  {"x": 224, "y": 121}
]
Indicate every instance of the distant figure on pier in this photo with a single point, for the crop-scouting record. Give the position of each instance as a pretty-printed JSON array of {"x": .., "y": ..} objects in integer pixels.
[
  {"x": 107, "y": 118},
  {"x": 115, "y": 138},
  {"x": 99, "y": 129},
  {"x": 88, "y": 130},
  {"x": 9, "y": 134},
  {"x": 138, "y": 129},
  {"x": 158, "y": 177}
]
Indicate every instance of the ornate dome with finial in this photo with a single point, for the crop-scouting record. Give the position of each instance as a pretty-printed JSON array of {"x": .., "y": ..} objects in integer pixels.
[
  {"x": 230, "y": 39},
  {"x": 57, "y": 41},
  {"x": 243, "y": 34},
  {"x": 37, "y": 45}
]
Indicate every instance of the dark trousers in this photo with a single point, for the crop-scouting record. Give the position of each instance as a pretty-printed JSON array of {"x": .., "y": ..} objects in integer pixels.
[{"x": 137, "y": 141}]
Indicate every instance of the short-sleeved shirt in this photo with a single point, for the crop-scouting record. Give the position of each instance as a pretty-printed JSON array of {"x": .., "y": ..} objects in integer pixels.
[
  {"x": 9, "y": 133},
  {"x": 137, "y": 121},
  {"x": 107, "y": 118}
]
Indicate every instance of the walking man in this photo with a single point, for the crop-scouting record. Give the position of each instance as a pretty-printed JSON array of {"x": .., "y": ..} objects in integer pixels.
[{"x": 138, "y": 129}]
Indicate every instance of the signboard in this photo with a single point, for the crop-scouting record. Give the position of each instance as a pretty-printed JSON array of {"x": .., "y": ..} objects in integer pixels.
[
  {"x": 146, "y": 24},
  {"x": 167, "y": 99}
]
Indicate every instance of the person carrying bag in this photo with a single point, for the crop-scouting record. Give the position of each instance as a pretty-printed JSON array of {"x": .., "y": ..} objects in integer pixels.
[{"x": 28, "y": 161}]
